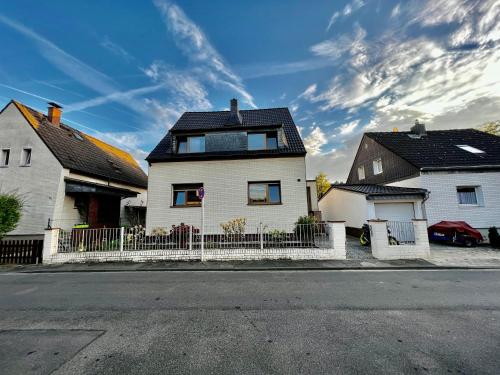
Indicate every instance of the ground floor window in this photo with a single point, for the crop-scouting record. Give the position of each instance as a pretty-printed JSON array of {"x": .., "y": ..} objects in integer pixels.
[
  {"x": 186, "y": 195},
  {"x": 468, "y": 195},
  {"x": 264, "y": 193}
]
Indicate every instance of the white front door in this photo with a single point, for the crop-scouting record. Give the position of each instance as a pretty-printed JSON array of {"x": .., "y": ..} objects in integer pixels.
[{"x": 394, "y": 211}]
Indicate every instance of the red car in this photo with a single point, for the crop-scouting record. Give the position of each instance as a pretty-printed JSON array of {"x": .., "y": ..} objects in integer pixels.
[{"x": 455, "y": 232}]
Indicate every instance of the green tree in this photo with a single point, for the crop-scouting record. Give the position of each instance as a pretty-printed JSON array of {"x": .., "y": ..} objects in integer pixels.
[
  {"x": 10, "y": 212},
  {"x": 322, "y": 184},
  {"x": 492, "y": 127}
]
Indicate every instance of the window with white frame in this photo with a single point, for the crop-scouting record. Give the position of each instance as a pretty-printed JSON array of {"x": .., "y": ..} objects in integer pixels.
[
  {"x": 4, "y": 161},
  {"x": 26, "y": 157},
  {"x": 469, "y": 195},
  {"x": 361, "y": 173},
  {"x": 377, "y": 166}
]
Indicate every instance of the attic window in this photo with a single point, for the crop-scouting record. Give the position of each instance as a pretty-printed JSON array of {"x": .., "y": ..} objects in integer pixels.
[{"x": 471, "y": 149}]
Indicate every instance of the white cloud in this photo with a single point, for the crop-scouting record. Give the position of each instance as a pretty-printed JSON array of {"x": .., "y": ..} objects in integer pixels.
[
  {"x": 348, "y": 128},
  {"x": 116, "y": 49},
  {"x": 396, "y": 11},
  {"x": 349, "y": 9},
  {"x": 195, "y": 45},
  {"x": 309, "y": 92},
  {"x": 113, "y": 97},
  {"x": 314, "y": 141}
]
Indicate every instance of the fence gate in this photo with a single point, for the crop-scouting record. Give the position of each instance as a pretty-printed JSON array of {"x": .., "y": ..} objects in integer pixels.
[{"x": 21, "y": 251}]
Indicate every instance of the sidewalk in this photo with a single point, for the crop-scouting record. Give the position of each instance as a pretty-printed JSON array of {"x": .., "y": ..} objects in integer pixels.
[{"x": 268, "y": 265}]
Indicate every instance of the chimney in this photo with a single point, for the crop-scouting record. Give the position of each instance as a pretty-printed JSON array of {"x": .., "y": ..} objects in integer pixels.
[
  {"x": 54, "y": 113},
  {"x": 418, "y": 129},
  {"x": 234, "y": 116}
]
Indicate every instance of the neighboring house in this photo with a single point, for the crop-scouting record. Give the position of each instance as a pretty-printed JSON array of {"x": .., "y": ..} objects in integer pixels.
[
  {"x": 64, "y": 176},
  {"x": 459, "y": 168},
  {"x": 251, "y": 164},
  {"x": 356, "y": 204},
  {"x": 312, "y": 199}
]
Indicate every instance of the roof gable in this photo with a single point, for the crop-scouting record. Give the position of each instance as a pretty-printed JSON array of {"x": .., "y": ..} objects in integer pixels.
[{"x": 83, "y": 153}]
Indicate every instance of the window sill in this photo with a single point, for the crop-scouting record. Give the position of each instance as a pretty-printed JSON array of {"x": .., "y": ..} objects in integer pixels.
[
  {"x": 187, "y": 206},
  {"x": 469, "y": 205},
  {"x": 4, "y": 166},
  {"x": 29, "y": 165},
  {"x": 265, "y": 204}
]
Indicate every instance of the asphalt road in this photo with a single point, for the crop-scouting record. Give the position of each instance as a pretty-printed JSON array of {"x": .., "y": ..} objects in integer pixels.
[{"x": 415, "y": 322}]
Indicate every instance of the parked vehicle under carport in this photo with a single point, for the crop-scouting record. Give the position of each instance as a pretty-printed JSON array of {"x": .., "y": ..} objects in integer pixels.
[{"x": 455, "y": 232}]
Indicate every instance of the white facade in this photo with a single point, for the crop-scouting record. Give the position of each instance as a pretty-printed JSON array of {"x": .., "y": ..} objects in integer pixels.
[
  {"x": 443, "y": 203},
  {"x": 342, "y": 205},
  {"x": 226, "y": 191},
  {"x": 38, "y": 184},
  {"x": 355, "y": 209},
  {"x": 41, "y": 185}
]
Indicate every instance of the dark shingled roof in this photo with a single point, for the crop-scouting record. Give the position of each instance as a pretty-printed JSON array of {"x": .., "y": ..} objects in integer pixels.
[
  {"x": 373, "y": 191},
  {"x": 437, "y": 149},
  {"x": 84, "y": 154},
  {"x": 200, "y": 122}
]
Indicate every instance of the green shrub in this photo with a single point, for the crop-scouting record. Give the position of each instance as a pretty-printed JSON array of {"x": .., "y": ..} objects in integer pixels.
[
  {"x": 276, "y": 235},
  {"x": 494, "y": 237},
  {"x": 11, "y": 207}
]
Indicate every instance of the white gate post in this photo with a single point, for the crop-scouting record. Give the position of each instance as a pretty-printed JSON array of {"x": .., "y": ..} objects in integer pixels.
[
  {"x": 122, "y": 233},
  {"x": 50, "y": 244},
  {"x": 337, "y": 238}
]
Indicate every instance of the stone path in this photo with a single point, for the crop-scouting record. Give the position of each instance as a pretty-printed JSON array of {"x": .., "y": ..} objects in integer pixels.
[{"x": 354, "y": 250}]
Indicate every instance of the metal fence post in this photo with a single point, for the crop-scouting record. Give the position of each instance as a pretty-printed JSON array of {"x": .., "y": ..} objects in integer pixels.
[
  {"x": 261, "y": 236},
  {"x": 190, "y": 237},
  {"x": 122, "y": 233}
]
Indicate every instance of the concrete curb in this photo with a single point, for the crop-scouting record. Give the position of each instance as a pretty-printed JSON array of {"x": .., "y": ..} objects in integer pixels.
[{"x": 255, "y": 269}]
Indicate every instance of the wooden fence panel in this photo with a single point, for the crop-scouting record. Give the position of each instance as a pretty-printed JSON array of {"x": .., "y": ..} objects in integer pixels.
[{"x": 21, "y": 251}]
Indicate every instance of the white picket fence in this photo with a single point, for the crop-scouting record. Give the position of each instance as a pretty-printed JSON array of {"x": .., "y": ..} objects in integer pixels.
[
  {"x": 302, "y": 241},
  {"x": 189, "y": 238}
]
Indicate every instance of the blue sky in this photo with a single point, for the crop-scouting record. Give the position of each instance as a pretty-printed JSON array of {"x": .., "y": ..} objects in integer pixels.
[{"x": 125, "y": 71}]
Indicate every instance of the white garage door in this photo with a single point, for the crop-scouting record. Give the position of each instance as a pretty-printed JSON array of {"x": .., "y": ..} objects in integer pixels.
[{"x": 394, "y": 211}]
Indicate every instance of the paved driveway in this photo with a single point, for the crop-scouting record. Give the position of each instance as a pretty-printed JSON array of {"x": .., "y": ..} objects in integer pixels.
[{"x": 480, "y": 256}]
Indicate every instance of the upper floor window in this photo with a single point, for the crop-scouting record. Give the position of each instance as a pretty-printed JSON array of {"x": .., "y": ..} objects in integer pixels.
[
  {"x": 377, "y": 166},
  {"x": 469, "y": 195},
  {"x": 26, "y": 157},
  {"x": 263, "y": 141},
  {"x": 186, "y": 195},
  {"x": 264, "y": 193},
  {"x": 361, "y": 173},
  {"x": 191, "y": 144},
  {"x": 4, "y": 161}
]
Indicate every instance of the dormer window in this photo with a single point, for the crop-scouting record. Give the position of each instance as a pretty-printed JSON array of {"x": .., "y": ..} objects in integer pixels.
[
  {"x": 263, "y": 141},
  {"x": 190, "y": 144}
]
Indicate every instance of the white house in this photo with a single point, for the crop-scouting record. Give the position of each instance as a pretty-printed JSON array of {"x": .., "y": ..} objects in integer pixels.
[
  {"x": 64, "y": 176},
  {"x": 251, "y": 164},
  {"x": 460, "y": 168},
  {"x": 356, "y": 204}
]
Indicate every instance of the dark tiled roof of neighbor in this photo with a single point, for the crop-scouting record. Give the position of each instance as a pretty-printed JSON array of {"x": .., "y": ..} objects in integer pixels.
[
  {"x": 222, "y": 120},
  {"x": 82, "y": 153},
  {"x": 438, "y": 148},
  {"x": 374, "y": 190}
]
